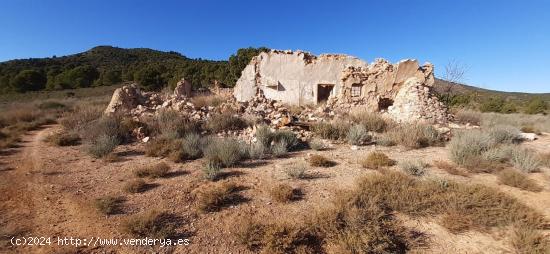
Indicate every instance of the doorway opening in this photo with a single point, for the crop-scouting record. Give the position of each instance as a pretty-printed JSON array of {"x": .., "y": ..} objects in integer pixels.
[
  {"x": 384, "y": 104},
  {"x": 323, "y": 92}
]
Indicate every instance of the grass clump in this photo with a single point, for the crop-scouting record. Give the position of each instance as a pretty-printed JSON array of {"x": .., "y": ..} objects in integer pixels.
[
  {"x": 63, "y": 138},
  {"x": 283, "y": 193},
  {"x": 514, "y": 178},
  {"x": 154, "y": 224},
  {"x": 465, "y": 116},
  {"x": 153, "y": 171},
  {"x": 104, "y": 135},
  {"x": 212, "y": 170},
  {"x": 528, "y": 240},
  {"x": 358, "y": 135},
  {"x": 269, "y": 138},
  {"x": 376, "y": 160},
  {"x": 108, "y": 205},
  {"x": 317, "y": 160},
  {"x": 371, "y": 121},
  {"x": 225, "y": 122},
  {"x": 317, "y": 145},
  {"x": 526, "y": 160},
  {"x": 225, "y": 152},
  {"x": 412, "y": 136},
  {"x": 207, "y": 100},
  {"x": 172, "y": 124},
  {"x": 213, "y": 197},
  {"x": 334, "y": 131},
  {"x": 414, "y": 168},
  {"x": 102, "y": 145},
  {"x": 257, "y": 151},
  {"x": 135, "y": 186},
  {"x": 296, "y": 170}
]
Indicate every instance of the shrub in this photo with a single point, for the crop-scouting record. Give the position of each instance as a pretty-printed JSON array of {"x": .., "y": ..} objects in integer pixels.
[
  {"x": 320, "y": 161},
  {"x": 283, "y": 193},
  {"x": 450, "y": 168},
  {"x": 136, "y": 186},
  {"x": 226, "y": 152},
  {"x": 358, "y": 135},
  {"x": 102, "y": 145},
  {"x": 213, "y": 197},
  {"x": 279, "y": 149},
  {"x": 529, "y": 240},
  {"x": 225, "y": 122},
  {"x": 162, "y": 146},
  {"x": 413, "y": 136},
  {"x": 501, "y": 153},
  {"x": 153, "y": 171},
  {"x": 51, "y": 105},
  {"x": 63, "y": 138},
  {"x": 257, "y": 151},
  {"x": 296, "y": 170},
  {"x": 493, "y": 104},
  {"x": 153, "y": 224},
  {"x": 172, "y": 124},
  {"x": 317, "y": 145},
  {"x": 376, "y": 160},
  {"x": 530, "y": 129},
  {"x": 526, "y": 160},
  {"x": 79, "y": 118},
  {"x": 536, "y": 106},
  {"x": 517, "y": 179},
  {"x": 371, "y": 121},
  {"x": 211, "y": 170},
  {"x": 334, "y": 131},
  {"x": 415, "y": 168},
  {"x": 468, "y": 116},
  {"x": 502, "y": 134},
  {"x": 467, "y": 145},
  {"x": 108, "y": 205},
  {"x": 265, "y": 136}
]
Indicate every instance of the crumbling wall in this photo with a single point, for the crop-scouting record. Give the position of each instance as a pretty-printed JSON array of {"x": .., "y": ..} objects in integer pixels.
[{"x": 292, "y": 77}]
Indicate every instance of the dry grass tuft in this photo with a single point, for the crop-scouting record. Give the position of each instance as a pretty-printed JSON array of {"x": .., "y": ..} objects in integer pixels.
[
  {"x": 63, "y": 138},
  {"x": 337, "y": 130},
  {"x": 108, "y": 205},
  {"x": 153, "y": 224},
  {"x": 414, "y": 167},
  {"x": 135, "y": 186},
  {"x": 528, "y": 240},
  {"x": 376, "y": 160},
  {"x": 153, "y": 171},
  {"x": 371, "y": 121},
  {"x": 514, "y": 178},
  {"x": 283, "y": 193},
  {"x": 225, "y": 122},
  {"x": 207, "y": 100},
  {"x": 317, "y": 160},
  {"x": 412, "y": 136},
  {"x": 225, "y": 152},
  {"x": 296, "y": 170},
  {"x": 450, "y": 168},
  {"x": 213, "y": 197}
]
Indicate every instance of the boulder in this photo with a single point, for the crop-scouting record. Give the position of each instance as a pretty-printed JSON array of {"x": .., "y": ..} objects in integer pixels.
[{"x": 125, "y": 99}]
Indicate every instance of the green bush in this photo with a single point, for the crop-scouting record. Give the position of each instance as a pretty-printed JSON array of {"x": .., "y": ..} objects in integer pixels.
[
  {"x": 536, "y": 106},
  {"x": 102, "y": 145}
]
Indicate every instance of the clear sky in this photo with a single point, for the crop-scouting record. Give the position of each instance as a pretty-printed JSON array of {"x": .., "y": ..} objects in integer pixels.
[{"x": 505, "y": 44}]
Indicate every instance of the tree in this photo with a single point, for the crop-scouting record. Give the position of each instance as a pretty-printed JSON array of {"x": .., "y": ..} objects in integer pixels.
[
  {"x": 150, "y": 77},
  {"x": 28, "y": 80},
  {"x": 454, "y": 74},
  {"x": 238, "y": 62},
  {"x": 536, "y": 106},
  {"x": 110, "y": 77},
  {"x": 493, "y": 104},
  {"x": 82, "y": 76}
]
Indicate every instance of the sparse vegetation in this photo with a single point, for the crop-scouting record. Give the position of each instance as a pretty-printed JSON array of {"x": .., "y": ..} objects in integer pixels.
[
  {"x": 371, "y": 121},
  {"x": 153, "y": 171},
  {"x": 335, "y": 130},
  {"x": 517, "y": 179},
  {"x": 357, "y": 135},
  {"x": 296, "y": 170},
  {"x": 317, "y": 145},
  {"x": 412, "y": 136},
  {"x": 464, "y": 116},
  {"x": 414, "y": 167},
  {"x": 225, "y": 152},
  {"x": 450, "y": 168},
  {"x": 317, "y": 160},
  {"x": 63, "y": 138},
  {"x": 108, "y": 204},
  {"x": 225, "y": 122},
  {"x": 283, "y": 193},
  {"x": 171, "y": 124},
  {"x": 211, "y": 198},
  {"x": 135, "y": 186},
  {"x": 207, "y": 101},
  {"x": 154, "y": 224},
  {"x": 376, "y": 160},
  {"x": 211, "y": 170},
  {"x": 529, "y": 240},
  {"x": 526, "y": 160}
]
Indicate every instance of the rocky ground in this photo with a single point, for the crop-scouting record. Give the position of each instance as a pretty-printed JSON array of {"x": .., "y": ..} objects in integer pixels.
[{"x": 49, "y": 191}]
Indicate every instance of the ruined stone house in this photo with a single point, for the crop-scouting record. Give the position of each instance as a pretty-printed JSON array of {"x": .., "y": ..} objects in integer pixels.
[{"x": 401, "y": 90}]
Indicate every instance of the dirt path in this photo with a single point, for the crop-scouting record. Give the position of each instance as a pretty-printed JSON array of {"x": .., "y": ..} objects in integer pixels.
[{"x": 32, "y": 205}]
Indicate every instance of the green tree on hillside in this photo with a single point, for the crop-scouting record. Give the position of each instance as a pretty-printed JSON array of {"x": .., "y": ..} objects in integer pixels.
[
  {"x": 28, "y": 80},
  {"x": 238, "y": 62},
  {"x": 150, "y": 77}
]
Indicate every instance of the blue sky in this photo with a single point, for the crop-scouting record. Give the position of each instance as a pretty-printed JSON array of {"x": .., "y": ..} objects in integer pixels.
[{"x": 505, "y": 44}]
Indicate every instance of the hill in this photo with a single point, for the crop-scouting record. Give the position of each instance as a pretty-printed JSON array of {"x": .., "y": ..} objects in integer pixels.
[{"x": 106, "y": 65}]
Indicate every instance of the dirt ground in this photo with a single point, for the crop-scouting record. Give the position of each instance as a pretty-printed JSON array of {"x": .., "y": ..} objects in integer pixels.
[{"x": 48, "y": 191}]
